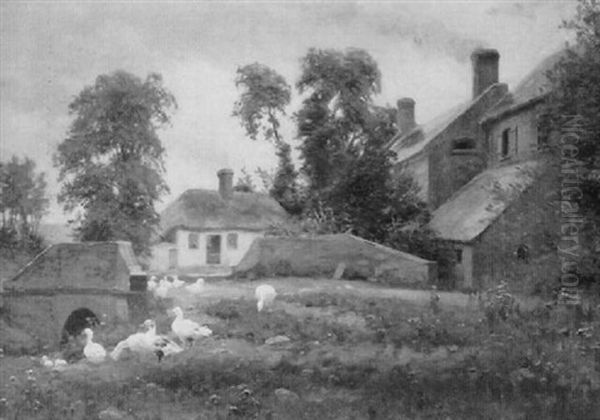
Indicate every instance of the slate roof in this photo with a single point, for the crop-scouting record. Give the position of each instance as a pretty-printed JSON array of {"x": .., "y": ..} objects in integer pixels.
[
  {"x": 476, "y": 205},
  {"x": 198, "y": 209}
]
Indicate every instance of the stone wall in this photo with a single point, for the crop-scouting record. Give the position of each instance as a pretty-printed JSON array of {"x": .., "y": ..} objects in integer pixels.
[
  {"x": 322, "y": 255},
  {"x": 101, "y": 265},
  {"x": 534, "y": 220},
  {"x": 44, "y": 315}
]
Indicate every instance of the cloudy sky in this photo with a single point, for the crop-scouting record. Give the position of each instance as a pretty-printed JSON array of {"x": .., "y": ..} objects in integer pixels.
[{"x": 51, "y": 50}]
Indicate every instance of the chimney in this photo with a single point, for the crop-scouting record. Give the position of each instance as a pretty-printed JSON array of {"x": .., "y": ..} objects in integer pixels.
[
  {"x": 405, "y": 118},
  {"x": 225, "y": 183},
  {"x": 485, "y": 69}
]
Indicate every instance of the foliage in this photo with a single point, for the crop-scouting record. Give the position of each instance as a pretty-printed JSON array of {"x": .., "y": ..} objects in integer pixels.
[
  {"x": 572, "y": 108},
  {"x": 111, "y": 162},
  {"x": 245, "y": 183},
  {"x": 337, "y": 112},
  {"x": 23, "y": 202},
  {"x": 265, "y": 96},
  {"x": 286, "y": 188}
]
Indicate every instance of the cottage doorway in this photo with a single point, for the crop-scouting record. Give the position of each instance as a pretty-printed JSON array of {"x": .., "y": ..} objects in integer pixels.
[{"x": 213, "y": 249}]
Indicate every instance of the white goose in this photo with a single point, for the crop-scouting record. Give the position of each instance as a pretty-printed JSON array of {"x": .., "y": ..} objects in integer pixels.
[
  {"x": 160, "y": 345},
  {"x": 197, "y": 287},
  {"x": 265, "y": 295},
  {"x": 135, "y": 343},
  {"x": 162, "y": 290},
  {"x": 93, "y": 352},
  {"x": 152, "y": 284},
  {"x": 187, "y": 330},
  {"x": 176, "y": 283}
]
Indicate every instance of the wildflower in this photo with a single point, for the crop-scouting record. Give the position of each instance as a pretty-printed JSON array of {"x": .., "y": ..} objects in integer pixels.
[
  {"x": 3, "y": 401},
  {"x": 13, "y": 379}
]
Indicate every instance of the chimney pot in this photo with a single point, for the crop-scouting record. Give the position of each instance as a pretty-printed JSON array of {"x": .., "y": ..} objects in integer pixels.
[
  {"x": 406, "y": 115},
  {"x": 225, "y": 183},
  {"x": 485, "y": 69}
]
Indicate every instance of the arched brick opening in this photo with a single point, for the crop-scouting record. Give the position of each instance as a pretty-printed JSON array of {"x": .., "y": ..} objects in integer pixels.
[{"x": 76, "y": 322}]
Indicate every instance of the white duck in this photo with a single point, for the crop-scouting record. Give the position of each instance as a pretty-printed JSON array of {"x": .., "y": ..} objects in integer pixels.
[
  {"x": 152, "y": 284},
  {"x": 162, "y": 290},
  {"x": 46, "y": 362},
  {"x": 136, "y": 343},
  {"x": 265, "y": 295},
  {"x": 159, "y": 344},
  {"x": 197, "y": 287},
  {"x": 93, "y": 352},
  {"x": 176, "y": 283},
  {"x": 187, "y": 330}
]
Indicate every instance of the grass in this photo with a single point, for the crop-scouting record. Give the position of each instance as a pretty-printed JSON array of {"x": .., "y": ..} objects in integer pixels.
[{"x": 349, "y": 357}]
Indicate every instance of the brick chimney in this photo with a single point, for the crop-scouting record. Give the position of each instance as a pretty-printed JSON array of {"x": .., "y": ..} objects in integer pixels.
[
  {"x": 405, "y": 118},
  {"x": 485, "y": 69},
  {"x": 225, "y": 183}
]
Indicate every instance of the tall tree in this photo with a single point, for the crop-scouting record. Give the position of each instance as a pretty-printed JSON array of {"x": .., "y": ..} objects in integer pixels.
[
  {"x": 262, "y": 103},
  {"x": 111, "y": 163},
  {"x": 574, "y": 105},
  {"x": 337, "y": 111},
  {"x": 23, "y": 200}
]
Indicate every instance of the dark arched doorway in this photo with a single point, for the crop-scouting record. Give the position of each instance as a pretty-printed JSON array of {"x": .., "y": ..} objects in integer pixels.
[{"x": 76, "y": 322}]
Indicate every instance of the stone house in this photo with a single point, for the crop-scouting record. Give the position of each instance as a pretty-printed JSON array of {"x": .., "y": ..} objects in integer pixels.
[
  {"x": 207, "y": 232},
  {"x": 483, "y": 176}
]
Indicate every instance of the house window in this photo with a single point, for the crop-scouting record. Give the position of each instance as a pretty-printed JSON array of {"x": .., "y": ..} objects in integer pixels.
[
  {"x": 459, "y": 255},
  {"x": 542, "y": 135},
  {"x": 232, "y": 241},
  {"x": 172, "y": 259},
  {"x": 193, "y": 241},
  {"x": 504, "y": 146},
  {"x": 464, "y": 144}
]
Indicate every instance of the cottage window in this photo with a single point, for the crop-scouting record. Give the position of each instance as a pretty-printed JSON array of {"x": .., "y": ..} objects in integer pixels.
[
  {"x": 232, "y": 241},
  {"x": 459, "y": 255},
  {"x": 504, "y": 146},
  {"x": 193, "y": 241},
  {"x": 463, "y": 144}
]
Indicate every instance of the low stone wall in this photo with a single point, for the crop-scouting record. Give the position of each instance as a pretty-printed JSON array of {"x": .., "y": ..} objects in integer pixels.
[{"x": 344, "y": 256}]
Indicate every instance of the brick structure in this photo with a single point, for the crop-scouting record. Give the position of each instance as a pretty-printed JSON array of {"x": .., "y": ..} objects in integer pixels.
[
  {"x": 66, "y": 283},
  {"x": 482, "y": 174}
]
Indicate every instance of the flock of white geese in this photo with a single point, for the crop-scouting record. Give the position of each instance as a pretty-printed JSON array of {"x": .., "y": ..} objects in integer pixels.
[{"x": 148, "y": 341}]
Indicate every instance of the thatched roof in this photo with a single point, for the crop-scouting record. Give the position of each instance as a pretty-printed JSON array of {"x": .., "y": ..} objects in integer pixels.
[
  {"x": 474, "y": 207},
  {"x": 413, "y": 143},
  {"x": 534, "y": 87},
  {"x": 198, "y": 209}
]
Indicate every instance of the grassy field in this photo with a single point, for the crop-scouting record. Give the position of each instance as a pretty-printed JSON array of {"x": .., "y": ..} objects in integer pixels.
[{"x": 355, "y": 351}]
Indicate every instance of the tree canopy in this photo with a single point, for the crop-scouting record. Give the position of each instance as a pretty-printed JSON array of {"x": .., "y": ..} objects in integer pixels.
[
  {"x": 23, "y": 201},
  {"x": 574, "y": 103},
  {"x": 111, "y": 162}
]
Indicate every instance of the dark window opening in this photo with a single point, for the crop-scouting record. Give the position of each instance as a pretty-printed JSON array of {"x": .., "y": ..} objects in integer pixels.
[
  {"x": 232, "y": 241},
  {"x": 505, "y": 142},
  {"x": 459, "y": 256},
  {"x": 193, "y": 240},
  {"x": 463, "y": 144}
]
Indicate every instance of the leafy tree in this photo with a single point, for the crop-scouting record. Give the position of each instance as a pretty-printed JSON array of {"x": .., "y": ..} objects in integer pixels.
[
  {"x": 286, "y": 188},
  {"x": 111, "y": 162},
  {"x": 575, "y": 101},
  {"x": 23, "y": 202},
  {"x": 337, "y": 112},
  {"x": 262, "y": 103}
]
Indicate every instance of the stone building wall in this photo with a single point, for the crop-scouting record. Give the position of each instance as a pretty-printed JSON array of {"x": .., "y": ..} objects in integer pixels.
[{"x": 533, "y": 220}]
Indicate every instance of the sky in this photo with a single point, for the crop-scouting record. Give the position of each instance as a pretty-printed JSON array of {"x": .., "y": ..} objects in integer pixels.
[{"x": 49, "y": 51}]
